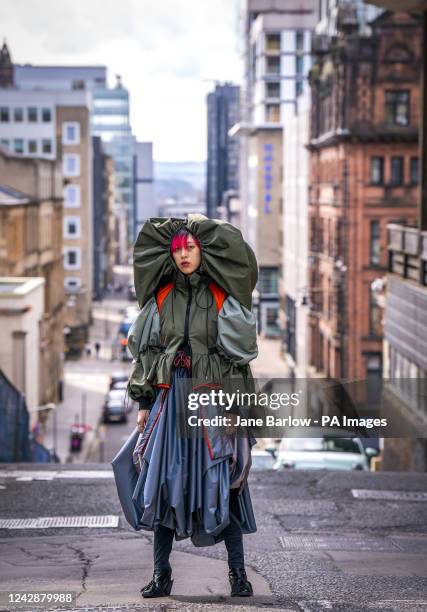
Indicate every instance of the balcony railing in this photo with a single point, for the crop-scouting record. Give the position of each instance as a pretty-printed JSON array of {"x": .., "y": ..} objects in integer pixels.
[{"x": 407, "y": 249}]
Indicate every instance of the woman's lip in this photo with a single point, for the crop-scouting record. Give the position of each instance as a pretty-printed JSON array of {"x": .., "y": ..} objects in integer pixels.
[{"x": 185, "y": 263}]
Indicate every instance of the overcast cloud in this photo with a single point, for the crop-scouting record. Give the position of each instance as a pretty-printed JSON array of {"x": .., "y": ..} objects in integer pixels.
[{"x": 164, "y": 51}]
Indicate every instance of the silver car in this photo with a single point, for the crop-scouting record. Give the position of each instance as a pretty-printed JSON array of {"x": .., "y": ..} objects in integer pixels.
[{"x": 326, "y": 452}]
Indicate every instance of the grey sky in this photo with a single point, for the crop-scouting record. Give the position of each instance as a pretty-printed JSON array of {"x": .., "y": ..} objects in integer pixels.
[{"x": 164, "y": 51}]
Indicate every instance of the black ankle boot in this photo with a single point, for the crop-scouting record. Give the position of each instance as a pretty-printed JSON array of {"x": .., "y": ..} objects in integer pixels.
[
  {"x": 160, "y": 585},
  {"x": 240, "y": 585}
]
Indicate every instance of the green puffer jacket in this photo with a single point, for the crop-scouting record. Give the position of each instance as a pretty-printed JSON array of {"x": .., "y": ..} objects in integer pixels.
[{"x": 215, "y": 318}]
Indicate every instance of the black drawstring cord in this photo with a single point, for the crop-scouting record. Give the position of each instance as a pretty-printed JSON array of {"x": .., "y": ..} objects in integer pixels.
[
  {"x": 175, "y": 273},
  {"x": 206, "y": 281}
]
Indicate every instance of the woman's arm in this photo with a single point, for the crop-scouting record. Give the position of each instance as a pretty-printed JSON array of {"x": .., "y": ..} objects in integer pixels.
[
  {"x": 237, "y": 335},
  {"x": 143, "y": 342}
]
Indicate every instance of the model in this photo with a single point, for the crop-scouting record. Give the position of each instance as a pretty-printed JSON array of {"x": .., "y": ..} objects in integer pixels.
[{"x": 194, "y": 279}]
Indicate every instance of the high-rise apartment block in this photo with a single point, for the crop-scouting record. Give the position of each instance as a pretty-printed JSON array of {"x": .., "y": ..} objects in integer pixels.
[
  {"x": 223, "y": 151},
  {"x": 277, "y": 36}
]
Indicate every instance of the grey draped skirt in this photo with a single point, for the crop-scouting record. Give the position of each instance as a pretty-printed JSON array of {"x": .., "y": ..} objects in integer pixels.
[{"x": 183, "y": 482}]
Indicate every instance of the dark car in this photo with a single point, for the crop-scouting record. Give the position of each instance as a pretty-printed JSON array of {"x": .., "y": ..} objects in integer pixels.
[{"x": 114, "y": 407}]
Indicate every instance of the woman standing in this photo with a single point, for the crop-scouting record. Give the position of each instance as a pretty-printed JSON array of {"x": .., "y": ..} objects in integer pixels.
[{"x": 194, "y": 280}]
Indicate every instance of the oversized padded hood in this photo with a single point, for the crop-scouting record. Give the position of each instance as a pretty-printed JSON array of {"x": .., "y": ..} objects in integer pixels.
[{"x": 226, "y": 258}]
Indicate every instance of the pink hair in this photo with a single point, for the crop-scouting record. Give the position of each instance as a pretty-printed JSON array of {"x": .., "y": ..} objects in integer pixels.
[{"x": 180, "y": 240}]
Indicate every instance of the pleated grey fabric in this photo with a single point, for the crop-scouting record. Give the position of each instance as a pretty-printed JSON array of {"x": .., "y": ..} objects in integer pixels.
[{"x": 183, "y": 482}]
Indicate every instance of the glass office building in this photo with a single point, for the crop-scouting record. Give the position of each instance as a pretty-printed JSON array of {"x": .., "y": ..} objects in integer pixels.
[{"x": 110, "y": 121}]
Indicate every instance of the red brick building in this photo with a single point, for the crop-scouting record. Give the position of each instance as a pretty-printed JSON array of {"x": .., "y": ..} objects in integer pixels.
[{"x": 363, "y": 175}]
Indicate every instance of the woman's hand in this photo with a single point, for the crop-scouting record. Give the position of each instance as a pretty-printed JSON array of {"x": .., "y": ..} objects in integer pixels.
[{"x": 142, "y": 419}]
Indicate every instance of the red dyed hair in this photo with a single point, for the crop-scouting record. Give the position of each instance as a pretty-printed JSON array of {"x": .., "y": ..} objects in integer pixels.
[{"x": 180, "y": 240}]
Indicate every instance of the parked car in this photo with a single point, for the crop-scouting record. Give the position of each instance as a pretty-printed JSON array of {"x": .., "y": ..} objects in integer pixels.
[
  {"x": 131, "y": 312},
  {"x": 118, "y": 377},
  {"x": 114, "y": 407},
  {"x": 262, "y": 460},
  {"x": 131, "y": 292},
  {"x": 326, "y": 451},
  {"x": 120, "y": 385}
]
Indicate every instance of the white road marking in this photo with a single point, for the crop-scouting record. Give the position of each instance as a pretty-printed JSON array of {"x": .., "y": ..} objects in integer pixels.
[
  {"x": 29, "y": 475},
  {"x": 392, "y": 495},
  {"x": 48, "y": 522}
]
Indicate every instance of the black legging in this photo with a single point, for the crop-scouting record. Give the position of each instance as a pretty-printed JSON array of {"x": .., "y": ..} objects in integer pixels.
[{"x": 233, "y": 539}]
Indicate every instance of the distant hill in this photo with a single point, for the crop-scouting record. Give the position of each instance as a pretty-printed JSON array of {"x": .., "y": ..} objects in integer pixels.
[{"x": 179, "y": 179}]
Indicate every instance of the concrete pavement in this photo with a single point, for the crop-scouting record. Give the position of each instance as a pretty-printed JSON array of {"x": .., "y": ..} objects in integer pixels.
[{"x": 318, "y": 546}]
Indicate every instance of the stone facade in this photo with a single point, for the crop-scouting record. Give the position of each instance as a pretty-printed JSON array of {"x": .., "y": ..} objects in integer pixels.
[
  {"x": 75, "y": 149},
  {"x": 363, "y": 175},
  {"x": 31, "y": 246}
]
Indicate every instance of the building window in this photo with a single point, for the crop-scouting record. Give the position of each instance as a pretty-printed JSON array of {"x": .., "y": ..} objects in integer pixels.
[
  {"x": 272, "y": 90},
  {"x": 375, "y": 326},
  {"x": 272, "y": 65},
  {"x": 71, "y": 165},
  {"x": 299, "y": 65},
  {"x": 18, "y": 145},
  {"x": 46, "y": 115},
  {"x": 272, "y": 113},
  {"x": 18, "y": 115},
  {"x": 271, "y": 317},
  {"x": 4, "y": 114},
  {"x": 72, "y": 196},
  {"x": 46, "y": 145},
  {"x": 299, "y": 40},
  {"x": 272, "y": 42},
  {"x": 32, "y": 146},
  {"x": 72, "y": 283},
  {"x": 72, "y": 227},
  {"x": 268, "y": 281},
  {"x": 375, "y": 243},
  {"x": 397, "y": 107},
  {"x": 377, "y": 170},
  {"x": 414, "y": 170},
  {"x": 72, "y": 258},
  {"x": 70, "y": 133},
  {"x": 5, "y": 143},
  {"x": 396, "y": 176},
  {"x": 32, "y": 114}
]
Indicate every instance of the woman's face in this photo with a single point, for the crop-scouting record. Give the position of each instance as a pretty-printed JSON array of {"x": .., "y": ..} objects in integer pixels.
[{"x": 188, "y": 258}]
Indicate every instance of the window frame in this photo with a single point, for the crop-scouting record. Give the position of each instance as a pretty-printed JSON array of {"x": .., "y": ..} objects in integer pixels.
[
  {"x": 15, "y": 140},
  {"x": 6, "y": 111},
  {"x": 67, "y": 157},
  {"x": 32, "y": 140},
  {"x": 391, "y": 107},
  {"x": 77, "y": 189},
  {"x": 374, "y": 241},
  {"x": 49, "y": 110},
  {"x": 18, "y": 111},
  {"x": 44, "y": 142},
  {"x": 375, "y": 158},
  {"x": 72, "y": 249},
  {"x": 65, "y": 126},
  {"x": 414, "y": 160},
  {"x": 401, "y": 178},
  {"x": 69, "y": 289},
  {"x": 29, "y": 113},
  {"x": 67, "y": 219}
]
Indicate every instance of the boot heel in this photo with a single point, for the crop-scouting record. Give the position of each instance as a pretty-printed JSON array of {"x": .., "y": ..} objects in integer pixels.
[{"x": 169, "y": 588}]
